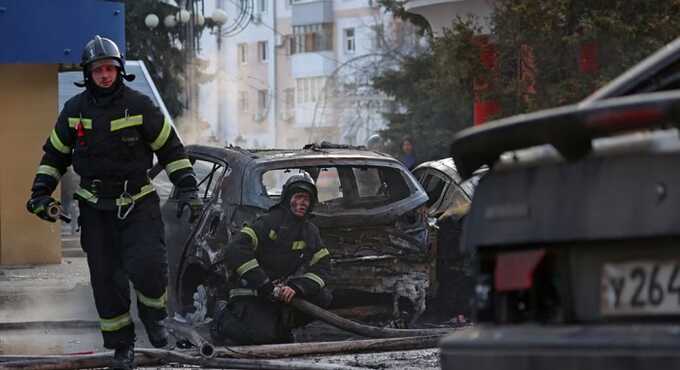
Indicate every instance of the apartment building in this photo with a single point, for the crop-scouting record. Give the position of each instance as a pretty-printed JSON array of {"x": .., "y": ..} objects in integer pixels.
[
  {"x": 300, "y": 72},
  {"x": 440, "y": 13}
]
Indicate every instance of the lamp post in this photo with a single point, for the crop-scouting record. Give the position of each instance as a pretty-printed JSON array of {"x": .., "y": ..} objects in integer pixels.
[
  {"x": 219, "y": 16},
  {"x": 184, "y": 24}
]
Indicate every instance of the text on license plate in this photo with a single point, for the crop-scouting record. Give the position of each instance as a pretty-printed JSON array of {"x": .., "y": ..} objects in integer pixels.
[{"x": 641, "y": 288}]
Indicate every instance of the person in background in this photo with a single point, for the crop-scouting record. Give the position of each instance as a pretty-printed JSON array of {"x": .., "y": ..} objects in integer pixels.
[{"x": 408, "y": 156}]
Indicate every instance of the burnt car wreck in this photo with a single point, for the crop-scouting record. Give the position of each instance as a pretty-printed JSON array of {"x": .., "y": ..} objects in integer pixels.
[{"x": 369, "y": 214}]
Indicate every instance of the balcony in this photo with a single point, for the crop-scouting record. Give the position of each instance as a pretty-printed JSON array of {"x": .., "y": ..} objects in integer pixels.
[
  {"x": 440, "y": 13},
  {"x": 312, "y": 12},
  {"x": 312, "y": 64}
]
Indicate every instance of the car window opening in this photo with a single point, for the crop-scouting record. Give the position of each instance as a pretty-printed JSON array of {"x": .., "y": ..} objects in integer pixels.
[
  {"x": 344, "y": 187},
  {"x": 205, "y": 173}
]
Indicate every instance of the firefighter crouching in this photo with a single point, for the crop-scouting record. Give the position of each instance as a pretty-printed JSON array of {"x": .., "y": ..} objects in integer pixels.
[
  {"x": 278, "y": 257},
  {"x": 110, "y": 133}
]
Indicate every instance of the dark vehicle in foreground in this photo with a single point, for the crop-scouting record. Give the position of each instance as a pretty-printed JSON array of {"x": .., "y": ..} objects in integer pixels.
[
  {"x": 368, "y": 214},
  {"x": 576, "y": 231}
]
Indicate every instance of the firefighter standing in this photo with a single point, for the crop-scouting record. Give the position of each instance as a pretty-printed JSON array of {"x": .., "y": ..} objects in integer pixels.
[
  {"x": 110, "y": 133},
  {"x": 279, "y": 257}
]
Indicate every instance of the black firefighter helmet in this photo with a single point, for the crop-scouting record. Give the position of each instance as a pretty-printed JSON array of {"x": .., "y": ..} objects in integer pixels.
[
  {"x": 102, "y": 48},
  {"x": 297, "y": 183}
]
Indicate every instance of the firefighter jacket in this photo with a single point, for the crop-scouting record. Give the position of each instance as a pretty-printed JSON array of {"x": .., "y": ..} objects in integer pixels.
[
  {"x": 277, "y": 247},
  {"x": 112, "y": 140}
]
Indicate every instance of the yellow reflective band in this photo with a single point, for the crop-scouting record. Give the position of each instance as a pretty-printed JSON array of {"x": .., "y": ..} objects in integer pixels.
[
  {"x": 58, "y": 144},
  {"x": 87, "y": 195},
  {"x": 298, "y": 245},
  {"x": 321, "y": 253},
  {"x": 272, "y": 235},
  {"x": 242, "y": 292},
  {"x": 315, "y": 278},
  {"x": 125, "y": 122},
  {"x": 247, "y": 267},
  {"x": 115, "y": 323},
  {"x": 49, "y": 171},
  {"x": 252, "y": 234},
  {"x": 153, "y": 302},
  {"x": 177, "y": 165},
  {"x": 146, "y": 189},
  {"x": 162, "y": 137},
  {"x": 73, "y": 121},
  {"x": 90, "y": 197}
]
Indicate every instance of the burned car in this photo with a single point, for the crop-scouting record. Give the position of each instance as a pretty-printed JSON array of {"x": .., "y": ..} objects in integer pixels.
[
  {"x": 368, "y": 215},
  {"x": 449, "y": 197},
  {"x": 575, "y": 229}
]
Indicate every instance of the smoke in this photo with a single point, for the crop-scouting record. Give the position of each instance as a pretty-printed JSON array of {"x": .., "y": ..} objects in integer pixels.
[
  {"x": 238, "y": 103},
  {"x": 46, "y": 293}
]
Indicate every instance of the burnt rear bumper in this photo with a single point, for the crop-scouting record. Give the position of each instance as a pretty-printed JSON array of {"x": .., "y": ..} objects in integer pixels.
[{"x": 533, "y": 347}]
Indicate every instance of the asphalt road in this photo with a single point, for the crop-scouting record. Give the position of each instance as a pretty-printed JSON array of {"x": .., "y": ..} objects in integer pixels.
[{"x": 49, "y": 310}]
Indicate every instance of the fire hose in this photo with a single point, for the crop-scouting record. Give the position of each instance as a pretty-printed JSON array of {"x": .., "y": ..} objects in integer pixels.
[{"x": 207, "y": 350}]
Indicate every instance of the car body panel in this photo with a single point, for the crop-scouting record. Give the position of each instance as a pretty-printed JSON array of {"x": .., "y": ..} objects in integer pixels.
[
  {"x": 620, "y": 197},
  {"x": 562, "y": 347}
]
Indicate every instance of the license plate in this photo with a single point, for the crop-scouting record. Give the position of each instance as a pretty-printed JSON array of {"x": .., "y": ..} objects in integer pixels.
[{"x": 641, "y": 288}]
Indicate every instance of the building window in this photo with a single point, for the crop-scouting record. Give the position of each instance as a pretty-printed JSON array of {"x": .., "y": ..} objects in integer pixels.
[
  {"x": 309, "y": 90},
  {"x": 243, "y": 101},
  {"x": 291, "y": 44},
  {"x": 262, "y": 5},
  {"x": 289, "y": 99},
  {"x": 378, "y": 36},
  {"x": 312, "y": 38},
  {"x": 261, "y": 101},
  {"x": 350, "y": 45},
  {"x": 243, "y": 53},
  {"x": 262, "y": 50}
]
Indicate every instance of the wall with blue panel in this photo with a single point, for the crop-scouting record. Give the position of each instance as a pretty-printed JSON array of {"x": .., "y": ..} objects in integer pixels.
[{"x": 55, "y": 31}]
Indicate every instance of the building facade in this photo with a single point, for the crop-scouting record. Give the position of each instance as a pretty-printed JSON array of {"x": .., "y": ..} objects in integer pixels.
[{"x": 300, "y": 72}]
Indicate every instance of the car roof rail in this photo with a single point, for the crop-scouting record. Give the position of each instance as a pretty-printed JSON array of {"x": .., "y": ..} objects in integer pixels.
[{"x": 328, "y": 145}]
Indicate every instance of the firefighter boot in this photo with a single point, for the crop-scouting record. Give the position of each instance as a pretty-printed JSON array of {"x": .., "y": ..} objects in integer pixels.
[
  {"x": 158, "y": 334},
  {"x": 124, "y": 358}
]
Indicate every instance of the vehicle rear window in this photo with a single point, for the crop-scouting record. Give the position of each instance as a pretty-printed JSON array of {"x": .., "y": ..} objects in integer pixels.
[{"x": 349, "y": 187}]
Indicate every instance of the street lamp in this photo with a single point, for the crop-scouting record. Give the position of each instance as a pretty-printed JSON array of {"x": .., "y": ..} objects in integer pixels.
[
  {"x": 151, "y": 21},
  {"x": 184, "y": 25},
  {"x": 199, "y": 20},
  {"x": 219, "y": 16},
  {"x": 170, "y": 21},
  {"x": 183, "y": 16}
]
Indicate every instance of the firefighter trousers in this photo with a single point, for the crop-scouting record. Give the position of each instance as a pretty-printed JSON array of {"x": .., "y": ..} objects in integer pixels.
[
  {"x": 123, "y": 251},
  {"x": 252, "y": 320}
]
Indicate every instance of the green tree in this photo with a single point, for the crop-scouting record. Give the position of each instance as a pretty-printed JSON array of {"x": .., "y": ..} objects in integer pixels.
[
  {"x": 433, "y": 92},
  {"x": 619, "y": 34},
  {"x": 538, "y": 47}
]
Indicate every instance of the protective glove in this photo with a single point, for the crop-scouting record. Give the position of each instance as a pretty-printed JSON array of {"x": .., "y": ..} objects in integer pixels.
[
  {"x": 39, "y": 205},
  {"x": 188, "y": 198},
  {"x": 268, "y": 291}
]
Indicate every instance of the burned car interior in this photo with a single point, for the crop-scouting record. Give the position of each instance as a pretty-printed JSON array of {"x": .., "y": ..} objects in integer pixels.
[{"x": 343, "y": 187}]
